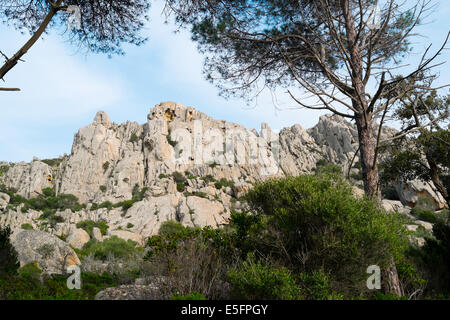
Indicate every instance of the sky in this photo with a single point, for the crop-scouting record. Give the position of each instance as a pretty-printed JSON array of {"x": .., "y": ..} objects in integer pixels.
[{"x": 62, "y": 89}]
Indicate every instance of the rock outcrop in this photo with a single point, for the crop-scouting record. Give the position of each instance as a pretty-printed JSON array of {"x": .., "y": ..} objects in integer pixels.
[
  {"x": 51, "y": 254},
  {"x": 179, "y": 165}
]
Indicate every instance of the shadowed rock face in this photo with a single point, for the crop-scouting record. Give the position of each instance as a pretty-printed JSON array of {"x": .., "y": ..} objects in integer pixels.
[{"x": 109, "y": 161}]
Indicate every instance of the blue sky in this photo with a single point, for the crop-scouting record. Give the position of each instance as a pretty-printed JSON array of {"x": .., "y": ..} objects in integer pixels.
[{"x": 62, "y": 89}]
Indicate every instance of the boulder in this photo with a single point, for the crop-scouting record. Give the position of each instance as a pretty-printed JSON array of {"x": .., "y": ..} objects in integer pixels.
[
  {"x": 97, "y": 234},
  {"x": 409, "y": 193},
  {"x": 394, "y": 206},
  {"x": 78, "y": 238},
  {"x": 51, "y": 254}
]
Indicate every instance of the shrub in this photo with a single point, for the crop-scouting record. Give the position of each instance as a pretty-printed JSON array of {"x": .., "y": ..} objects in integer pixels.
[
  {"x": 319, "y": 218},
  {"x": 170, "y": 227},
  {"x": 89, "y": 225},
  {"x": 26, "y": 226},
  {"x": 253, "y": 280},
  {"x": 105, "y": 166},
  {"x": 134, "y": 137},
  {"x": 316, "y": 286},
  {"x": 103, "y": 188},
  {"x": 114, "y": 246},
  {"x": 190, "y": 296},
  {"x": 8, "y": 255},
  {"x": 170, "y": 141},
  {"x": 425, "y": 215},
  {"x": 130, "y": 225},
  {"x": 208, "y": 178},
  {"x": 180, "y": 186}
]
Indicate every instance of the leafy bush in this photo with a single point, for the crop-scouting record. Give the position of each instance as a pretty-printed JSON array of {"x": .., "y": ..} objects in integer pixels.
[
  {"x": 190, "y": 296},
  {"x": 114, "y": 246},
  {"x": 89, "y": 225},
  {"x": 180, "y": 187},
  {"x": 8, "y": 255},
  {"x": 253, "y": 280},
  {"x": 26, "y": 226},
  {"x": 208, "y": 178},
  {"x": 425, "y": 215},
  {"x": 170, "y": 227},
  {"x": 102, "y": 188},
  {"x": 319, "y": 218},
  {"x": 134, "y": 137},
  {"x": 316, "y": 286}
]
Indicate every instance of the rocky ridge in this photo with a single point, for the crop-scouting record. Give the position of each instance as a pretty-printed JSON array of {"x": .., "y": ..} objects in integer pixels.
[{"x": 185, "y": 165}]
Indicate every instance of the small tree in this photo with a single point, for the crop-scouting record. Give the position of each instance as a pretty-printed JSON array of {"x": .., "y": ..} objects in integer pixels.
[
  {"x": 8, "y": 255},
  {"x": 103, "y": 26},
  {"x": 422, "y": 149}
]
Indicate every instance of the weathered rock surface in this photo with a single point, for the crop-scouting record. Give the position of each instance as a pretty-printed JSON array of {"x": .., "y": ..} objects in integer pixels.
[
  {"x": 410, "y": 193},
  {"x": 78, "y": 238},
  {"x": 4, "y": 200},
  {"x": 128, "y": 292},
  {"x": 51, "y": 254}
]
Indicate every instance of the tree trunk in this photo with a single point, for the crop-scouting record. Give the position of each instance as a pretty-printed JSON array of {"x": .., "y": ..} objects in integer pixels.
[
  {"x": 391, "y": 283},
  {"x": 367, "y": 145}
]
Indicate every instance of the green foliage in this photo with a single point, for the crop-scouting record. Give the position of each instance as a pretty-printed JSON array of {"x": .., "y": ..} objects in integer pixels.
[
  {"x": 138, "y": 194},
  {"x": 162, "y": 176},
  {"x": 134, "y": 137},
  {"x": 208, "y": 178},
  {"x": 223, "y": 183},
  {"x": 54, "y": 163},
  {"x": 180, "y": 186},
  {"x": 424, "y": 215},
  {"x": 178, "y": 177},
  {"x": 170, "y": 227},
  {"x": 105, "y": 166},
  {"x": 191, "y": 296},
  {"x": 253, "y": 280},
  {"x": 3, "y": 170},
  {"x": 89, "y": 225},
  {"x": 8, "y": 255},
  {"x": 45, "y": 201},
  {"x": 102, "y": 188},
  {"x": 318, "y": 216},
  {"x": 323, "y": 166},
  {"x": 130, "y": 225},
  {"x": 115, "y": 246},
  {"x": 28, "y": 285},
  {"x": 170, "y": 141},
  {"x": 316, "y": 286},
  {"x": 26, "y": 226}
]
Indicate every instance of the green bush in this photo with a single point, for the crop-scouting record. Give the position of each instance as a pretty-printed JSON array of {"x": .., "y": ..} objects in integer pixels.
[
  {"x": 28, "y": 285},
  {"x": 191, "y": 296},
  {"x": 170, "y": 227},
  {"x": 8, "y": 255},
  {"x": 180, "y": 186},
  {"x": 26, "y": 226},
  {"x": 253, "y": 280},
  {"x": 102, "y": 188},
  {"x": 425, "y": 215},
  {"x": 316, "y": 286},
  {"x": 115, "y": 246},
  {"x": 319, "y": 217},
  {"x": 89, "y": 225}
]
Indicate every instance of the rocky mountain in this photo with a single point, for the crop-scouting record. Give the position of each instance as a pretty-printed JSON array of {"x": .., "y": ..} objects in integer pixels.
[{"x": 180, "y": 165}]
